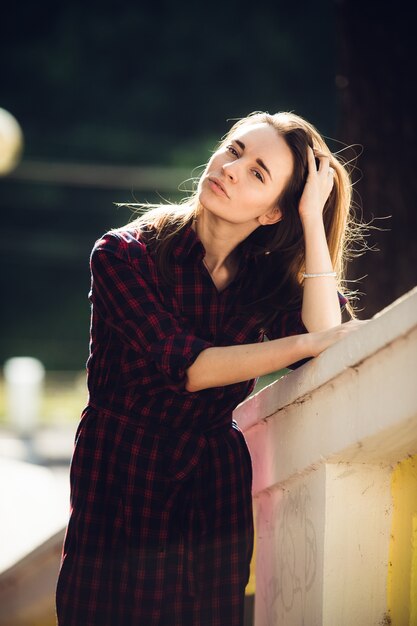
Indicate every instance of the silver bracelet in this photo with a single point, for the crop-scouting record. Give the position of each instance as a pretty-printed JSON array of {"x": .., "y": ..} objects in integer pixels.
[{"x": 319, "y": 274}]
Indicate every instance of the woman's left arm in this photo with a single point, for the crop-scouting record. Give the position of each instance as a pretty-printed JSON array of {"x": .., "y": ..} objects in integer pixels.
[{"x": 321, "y": 306}]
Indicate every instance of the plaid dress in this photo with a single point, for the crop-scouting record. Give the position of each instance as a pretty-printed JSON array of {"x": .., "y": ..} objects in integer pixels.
[{"x": 160, "y": 529}]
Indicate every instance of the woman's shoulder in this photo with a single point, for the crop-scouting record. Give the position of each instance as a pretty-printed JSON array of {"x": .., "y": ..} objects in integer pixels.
[{"x": 126, "y": 242}]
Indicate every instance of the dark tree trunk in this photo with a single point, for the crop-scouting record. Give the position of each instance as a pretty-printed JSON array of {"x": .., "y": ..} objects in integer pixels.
[{"x": 377, "y": 89}]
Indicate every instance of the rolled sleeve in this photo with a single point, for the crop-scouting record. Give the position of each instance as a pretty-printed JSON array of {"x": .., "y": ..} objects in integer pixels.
[
  {"x": 174, "y": 355},
  {"x": 124, "y": 293}
]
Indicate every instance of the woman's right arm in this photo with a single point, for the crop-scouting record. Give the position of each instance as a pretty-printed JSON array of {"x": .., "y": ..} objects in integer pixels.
[{"x": 218, "y": 366}]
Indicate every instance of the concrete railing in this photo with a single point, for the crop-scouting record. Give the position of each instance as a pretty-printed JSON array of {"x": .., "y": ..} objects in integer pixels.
[{"x": 335, "y": 481}]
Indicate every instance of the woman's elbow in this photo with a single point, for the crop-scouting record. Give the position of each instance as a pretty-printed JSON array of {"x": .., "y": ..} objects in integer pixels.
[
  {"x": 190, "y": 386},
  {"x": 317, "y": 326},
  {"x": 191, "y": 380},
  {"x": 196, "y": 376}
]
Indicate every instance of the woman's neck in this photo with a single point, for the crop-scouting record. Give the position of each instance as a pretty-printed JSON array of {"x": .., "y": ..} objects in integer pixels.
[{"x": 219, "y": 240}]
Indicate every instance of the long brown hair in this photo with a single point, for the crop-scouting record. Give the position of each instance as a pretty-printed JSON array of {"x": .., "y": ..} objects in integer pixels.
[{"x": 277, "y": 251}]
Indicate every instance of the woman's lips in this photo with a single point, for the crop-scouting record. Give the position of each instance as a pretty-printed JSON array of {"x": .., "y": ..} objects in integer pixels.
[{"x": 217, "y": 187}]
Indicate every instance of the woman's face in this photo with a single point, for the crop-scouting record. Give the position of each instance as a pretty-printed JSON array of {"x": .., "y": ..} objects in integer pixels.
[{"x": 244, "y": 178}]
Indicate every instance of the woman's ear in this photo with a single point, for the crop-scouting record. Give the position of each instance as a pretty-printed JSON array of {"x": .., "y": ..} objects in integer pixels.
[{"x": 271, "y": 217}]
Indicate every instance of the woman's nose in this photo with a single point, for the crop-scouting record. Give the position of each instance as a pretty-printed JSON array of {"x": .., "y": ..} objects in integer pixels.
[{"x": 230, "y": 170}]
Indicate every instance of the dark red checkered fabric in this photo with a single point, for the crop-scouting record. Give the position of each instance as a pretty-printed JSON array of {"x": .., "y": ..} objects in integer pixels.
[{"x": 160, "y": 531}]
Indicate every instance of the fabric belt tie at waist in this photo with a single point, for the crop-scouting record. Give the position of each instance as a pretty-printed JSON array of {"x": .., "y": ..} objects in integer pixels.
[
  {"x": 182, "y": 448},
  {"x": 159, "y": 427}
]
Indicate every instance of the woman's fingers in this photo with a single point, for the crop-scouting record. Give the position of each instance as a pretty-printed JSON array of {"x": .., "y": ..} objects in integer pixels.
[
  {"x": 319, "y": 184},
  {"x": 324, "y": 162},
  {"x": 311, "y": 160},
  {"x": 325, "y": 171}
]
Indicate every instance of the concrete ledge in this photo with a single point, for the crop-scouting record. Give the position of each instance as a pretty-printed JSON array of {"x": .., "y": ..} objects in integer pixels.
[
  {"x": 393, "y": 322},
  {"x": 355, "y": 402},
  {"x": 324, "y": 440}
]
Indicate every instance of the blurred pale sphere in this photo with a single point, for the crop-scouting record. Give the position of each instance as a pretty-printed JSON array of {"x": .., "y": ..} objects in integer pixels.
[{"x": 11, "y": 142}]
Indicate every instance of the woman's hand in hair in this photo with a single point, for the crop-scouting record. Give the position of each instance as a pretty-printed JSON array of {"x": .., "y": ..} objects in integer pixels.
[{"x": 318, "y": 185}]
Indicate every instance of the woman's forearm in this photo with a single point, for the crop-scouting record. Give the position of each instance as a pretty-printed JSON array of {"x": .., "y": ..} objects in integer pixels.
[
  {"x": 226, "y": 365},
  {"x": 320, "y": 308}
]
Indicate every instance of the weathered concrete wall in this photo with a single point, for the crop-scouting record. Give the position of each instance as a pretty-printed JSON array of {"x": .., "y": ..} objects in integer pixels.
[{"x": 324, "y": 441}]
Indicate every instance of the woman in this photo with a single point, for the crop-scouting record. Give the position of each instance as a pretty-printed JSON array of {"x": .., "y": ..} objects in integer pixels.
[{"x": 182, "y": 298}]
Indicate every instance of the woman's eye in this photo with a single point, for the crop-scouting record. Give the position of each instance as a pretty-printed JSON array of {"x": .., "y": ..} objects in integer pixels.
[
  {"x": 232, "y": 150},
  {"x": 258, "y": 175}
]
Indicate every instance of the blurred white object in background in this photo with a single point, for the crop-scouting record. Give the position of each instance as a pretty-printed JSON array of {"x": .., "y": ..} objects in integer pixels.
[
  {"x": 24, "y": 377},
  {"x": 11, "y": 142}
]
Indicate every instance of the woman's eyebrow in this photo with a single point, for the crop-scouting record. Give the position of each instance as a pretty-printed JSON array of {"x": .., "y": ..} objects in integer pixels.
[{"x": 259, "y": 161}]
